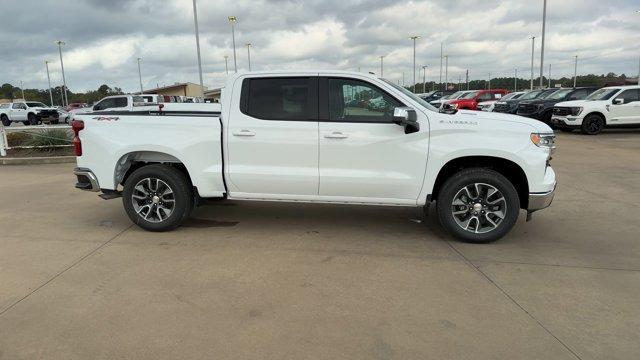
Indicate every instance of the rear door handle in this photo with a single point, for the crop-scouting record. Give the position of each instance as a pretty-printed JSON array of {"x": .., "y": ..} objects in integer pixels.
[
  {"x": 244, "y": 133},
  {"x": 336, "y": 135}
]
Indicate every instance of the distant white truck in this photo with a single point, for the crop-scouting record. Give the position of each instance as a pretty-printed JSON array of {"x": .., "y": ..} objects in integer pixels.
[
  {"x": 129, "y": 103},
  {"x": 28, "y": 113},
  {"x": 615, "y": 106}
]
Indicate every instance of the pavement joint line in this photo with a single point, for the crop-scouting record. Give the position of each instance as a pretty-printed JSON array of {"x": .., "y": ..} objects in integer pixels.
[
  {"x": 505, "y": 293},
  {"x": 553, "y": 265},
  {"x": 78, "y": 261}
]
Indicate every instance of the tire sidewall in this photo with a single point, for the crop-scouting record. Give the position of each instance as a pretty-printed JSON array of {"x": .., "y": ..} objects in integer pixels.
[
  {"x": 182, "y": 194},
  {"x": 587, "y": 122},
  {"x": 467, "y": 177}
]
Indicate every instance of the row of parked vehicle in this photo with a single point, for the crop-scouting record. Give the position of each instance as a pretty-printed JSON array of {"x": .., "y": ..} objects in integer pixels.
[{"x": 589, "y": 109}]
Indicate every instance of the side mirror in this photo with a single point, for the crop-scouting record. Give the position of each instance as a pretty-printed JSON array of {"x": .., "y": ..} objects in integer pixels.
[
  {"x": 618, "y": 101},
  {"x": 407, "y": 117}
]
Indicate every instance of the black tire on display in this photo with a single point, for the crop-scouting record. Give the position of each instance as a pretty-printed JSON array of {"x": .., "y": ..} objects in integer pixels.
[
  {"x": 478, "y": 205},
  {"x": 157, "y": 197},
  {"x": 5, "y": 120},
  {"x": 592, "y": 124},
  {"x": 32, "y": 119}
]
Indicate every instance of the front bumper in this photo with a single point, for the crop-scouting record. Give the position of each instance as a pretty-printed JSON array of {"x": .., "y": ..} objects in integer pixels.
[
  {"x": 570, "y": 122},
  {"x": 86, "y": 180},
  {"x": 539, "y": 201}
]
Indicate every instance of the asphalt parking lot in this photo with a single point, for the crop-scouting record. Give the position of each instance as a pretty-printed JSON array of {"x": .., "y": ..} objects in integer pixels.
[{"x": 296, "y": 281}]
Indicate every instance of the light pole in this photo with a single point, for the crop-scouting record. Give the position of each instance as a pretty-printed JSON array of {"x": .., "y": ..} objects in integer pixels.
[
  {"x": 424, "y": 78},
  {"x": 248, "y": 45},
  {"x": 232, "y": 20},
  {"x": 467, "y": 78},
  {"x": 544, "y": 22},
  {"x": 226, "y": 64},
  {"x": 575, "y": 71},
  {"x": 549, "y": 76},
  {"x": 446, "y": 72},
  {"x": 140, "y": 75},
  {"x": 195, "y": 22},
  {"x": 515, "y": 80},
  {"x": 46, "y": 65},
  {"x": 64, "y": 80},
  {"x": 440, "y": 81},
  {"x": 533, "y": 43},
  {"x": 414, "y": 38},
  {"x": 381, "y": 66},
  {"x": 22, "y": 90},
  {"x": 489, "y": 83}
]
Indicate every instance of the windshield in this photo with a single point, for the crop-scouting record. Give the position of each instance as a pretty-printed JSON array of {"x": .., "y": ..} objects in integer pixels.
[
  {"x": 560, "y": 94},
  {"x": 545, "y": 94},
  {"x": 511, "y": 96},
  {"x": 35, "y": 104},
  {"x": 413, "y": 96},
  {"x": 531, "y": 95},
  {"x": 469, "y": 95},
  {"x": 427, "y": 94},
  {"x": 602, "y": 94}
]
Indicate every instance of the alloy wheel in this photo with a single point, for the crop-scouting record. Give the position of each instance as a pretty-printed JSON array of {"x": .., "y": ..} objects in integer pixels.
[
  {"x": 479, "y": 208},
  {"x": 153, "y": 200}
]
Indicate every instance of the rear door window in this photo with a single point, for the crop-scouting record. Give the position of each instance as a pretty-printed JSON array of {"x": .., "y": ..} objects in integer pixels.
[{"x": 280, "y": 98}]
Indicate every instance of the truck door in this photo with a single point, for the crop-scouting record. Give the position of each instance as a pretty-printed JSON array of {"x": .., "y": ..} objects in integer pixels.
[
  {"x": 18, "y": 112},
  {"x": 629, "y": 111},
  {"x": 363, "y": 154},
  {"x": 272, "y": 142}
]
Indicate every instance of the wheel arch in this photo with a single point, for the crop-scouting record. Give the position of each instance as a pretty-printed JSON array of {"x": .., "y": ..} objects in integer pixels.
[
  {"x": 134, "y": 160},
  {"x": 512, "y": 171},
  {"x": 598, "y": 113}
]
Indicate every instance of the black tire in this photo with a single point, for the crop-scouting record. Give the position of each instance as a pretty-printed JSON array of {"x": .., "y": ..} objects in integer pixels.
[
  {"x": 32, "y": 119},
  {"x": 592, "y": 124},
  {"x": 456, "y": 184},
  {"x": 5, "y": 120},
  {"x": 182, "y": 195}
]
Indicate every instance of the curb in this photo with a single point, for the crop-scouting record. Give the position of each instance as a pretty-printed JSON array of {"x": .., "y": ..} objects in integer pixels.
[{"x": 38, "y": 160}]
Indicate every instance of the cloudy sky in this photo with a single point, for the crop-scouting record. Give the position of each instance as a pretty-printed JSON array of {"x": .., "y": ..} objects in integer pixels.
[{"x": 104, "y": 38}]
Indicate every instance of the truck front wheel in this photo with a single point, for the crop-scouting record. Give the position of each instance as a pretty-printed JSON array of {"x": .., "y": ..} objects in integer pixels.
[
  {"x": 32, "y": 119},
  {"x": 478, "y": 205},
  {"x": 157, "y": 197},
  {"x": 5, "y": 120}
]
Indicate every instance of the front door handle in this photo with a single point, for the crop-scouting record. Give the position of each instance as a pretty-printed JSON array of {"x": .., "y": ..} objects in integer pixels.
[
  {"x": 244, "y": 133},
  {"x": 336, "y": 135}
]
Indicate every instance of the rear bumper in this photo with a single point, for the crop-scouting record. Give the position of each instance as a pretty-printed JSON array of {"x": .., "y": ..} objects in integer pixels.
[
  {"x": 86, "y": 180},
  {"x": 539, "y": 201}
]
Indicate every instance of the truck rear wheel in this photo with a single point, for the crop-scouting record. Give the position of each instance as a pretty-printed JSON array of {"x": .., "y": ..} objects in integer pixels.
[
  {"x": 157, "y": 197},
  {"x": 478, "y": 205}
]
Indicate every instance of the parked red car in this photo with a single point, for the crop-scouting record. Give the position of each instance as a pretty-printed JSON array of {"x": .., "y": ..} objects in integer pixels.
[{"x": 470, "y": 101}]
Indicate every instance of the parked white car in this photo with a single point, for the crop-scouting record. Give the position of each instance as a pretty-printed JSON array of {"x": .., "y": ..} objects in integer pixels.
[
  {"x": 615, "y": 106},
  {"x": 28, "y": 113},
  {"x": 299, "y": 137}
]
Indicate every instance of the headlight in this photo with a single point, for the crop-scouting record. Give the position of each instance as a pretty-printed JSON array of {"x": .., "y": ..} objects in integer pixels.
[
  {"x": 575, "y": 111},
  {"x": 455, "y": 106},
  {"x": 544, "y": 140}
]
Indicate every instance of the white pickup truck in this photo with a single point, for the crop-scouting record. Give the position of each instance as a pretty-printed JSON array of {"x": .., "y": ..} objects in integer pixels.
[
  {"x": 615, "y": 106},
  {"x": 317, "y": 137},
  {"x": 28, "y": 113}
]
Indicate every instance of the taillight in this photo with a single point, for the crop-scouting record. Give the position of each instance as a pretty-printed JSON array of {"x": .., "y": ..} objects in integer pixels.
[{"x": 76, "y": 126}]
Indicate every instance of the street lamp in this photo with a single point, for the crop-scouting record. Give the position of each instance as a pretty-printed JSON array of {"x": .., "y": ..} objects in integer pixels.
[
  {"x": 446, "y": 72},
  {"x": 46, "y": 65},
  {"x": 544, "y": 21},
  {"x": 226, "y": 64},
  {"x": 248, "y": 45},
  {"x": 424, "y": 78},
  {"x": 195, "y": 21},
  {"x": 22, "y": 90},
  {"x": 414, "y": 38},
  {"x": 64, "y": 80},
  {"x": 381, "y": 66},
  {"x": 441, "y": 57},
  {"x": 575, "y": 71},
  {"x": 140, "y": 75},
  {"x": 233, "y": 20},
  {"x": 533, "y": 42}
]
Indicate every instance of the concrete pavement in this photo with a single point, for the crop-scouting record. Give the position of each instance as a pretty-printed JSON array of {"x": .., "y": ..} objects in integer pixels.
[{"x": 289, "y": 281}]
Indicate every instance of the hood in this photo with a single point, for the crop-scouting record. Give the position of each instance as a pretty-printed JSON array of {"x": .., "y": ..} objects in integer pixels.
[
  {"x": 574, "y": 103},
  {"x": 537, "y": 126}
]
